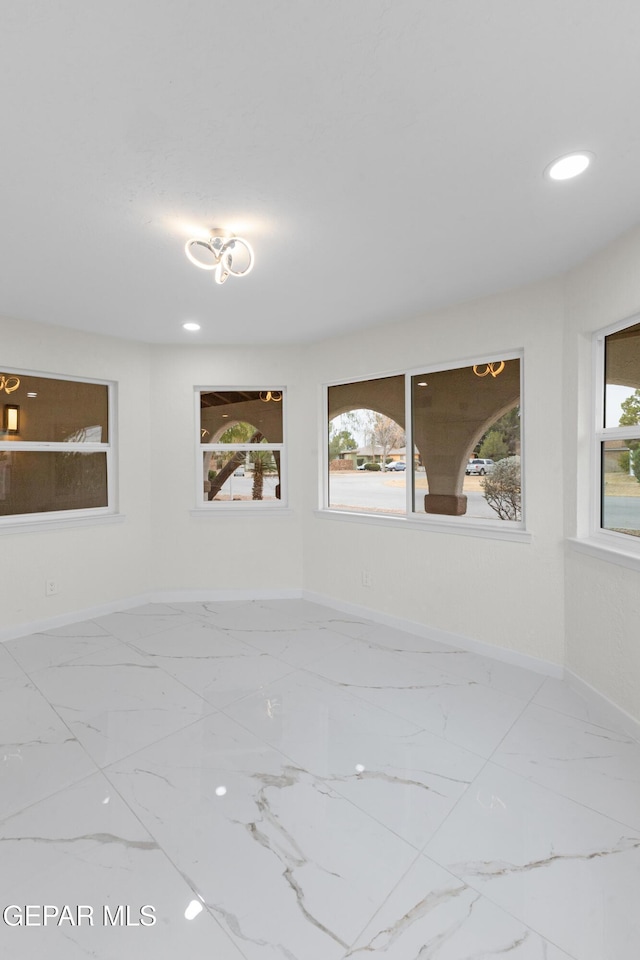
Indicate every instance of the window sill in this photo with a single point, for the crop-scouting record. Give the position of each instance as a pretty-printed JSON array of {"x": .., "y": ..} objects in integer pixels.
[
  {"x": 40, "y": 524},
  {"x": 249, "y": 510},
  {"x": 464, "y": 528},
  {"x": 604, "y": 549}
]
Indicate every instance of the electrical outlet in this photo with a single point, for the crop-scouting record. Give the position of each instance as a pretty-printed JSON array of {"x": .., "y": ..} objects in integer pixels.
[
  {"x": 366, "y": 578},
  {"x": 50, "y": 588}
]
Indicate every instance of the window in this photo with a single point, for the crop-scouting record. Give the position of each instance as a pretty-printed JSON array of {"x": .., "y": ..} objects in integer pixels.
[
  {"x": 618, "y": 432},
  {"x": 439, "y": 443},
  {"x": 241, "y": 447},
  {"x": 55, "y": 446}
]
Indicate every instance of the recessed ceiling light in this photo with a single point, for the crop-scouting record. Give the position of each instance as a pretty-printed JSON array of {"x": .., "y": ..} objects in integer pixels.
[
  {"x": 571, "y": 165},
  {"x": 191, "y": 326},
  {"x": 422, "y": 383},
  {"x": 32, "y": 394}
]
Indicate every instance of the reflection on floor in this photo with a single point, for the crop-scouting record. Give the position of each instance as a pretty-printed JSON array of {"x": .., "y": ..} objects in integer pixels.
[{"x": 304, "y": 785}]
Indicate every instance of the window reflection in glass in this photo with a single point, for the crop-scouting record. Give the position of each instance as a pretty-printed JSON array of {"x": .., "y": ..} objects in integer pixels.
[
  {"x": 367, "y": 446},
  {"x": 241, "y": 475},
  {"x": 241, "y": 416},
  {"x": 622, "y": 378},
  {"x": 466, "y": 431},
  {"x": 42, "y": 482},
  {"x": 58, "y": 411},
  {"x": 621, "y": 486}
]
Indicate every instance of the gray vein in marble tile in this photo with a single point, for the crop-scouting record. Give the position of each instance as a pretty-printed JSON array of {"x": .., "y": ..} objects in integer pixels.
[
  {"x": 502, "y": 868},
  {"x": 390, "y": 778},
  {"x": 297, "y": 889},
  {"x": 233, "y": 924},
  {"x": 208, "y": 656},
  {"x": 73, "y": 664},
  {"x": 102, "y": 838},
  {"x": 390, "y": 686},
  {"x": 602, "y": 736},
  {"x": 385, "y": 938},
  {"x": 27, "y": 743},
  {"x": 293, "y": 857},
  {"x": 152, "y": 773}
]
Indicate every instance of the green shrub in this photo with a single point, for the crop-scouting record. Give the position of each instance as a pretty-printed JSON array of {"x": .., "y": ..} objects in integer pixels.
[
  {"x": 503, "y": 489},
  {"x": 372, "y": 466}
]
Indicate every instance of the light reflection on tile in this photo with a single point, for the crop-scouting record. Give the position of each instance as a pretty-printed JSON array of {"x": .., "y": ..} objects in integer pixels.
[
  {"x": 578, "y": 760},
  {"x": 38, "y": 753},
  {"x": 60, "y": 645},
  {"x": 323, "y": 786},
  {"x": 313, "y": 865},
  {"x": 565, "y": 871},
  {"x": 116, "y": 701},
  {"x": 76, "y": 849},
  {"x": 406, "y": 778}
]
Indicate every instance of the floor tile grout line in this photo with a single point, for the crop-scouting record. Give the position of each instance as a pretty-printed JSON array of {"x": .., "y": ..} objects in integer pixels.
[
  {"x": 187, "y": 880},
  {"x": 495, "y": 903}
]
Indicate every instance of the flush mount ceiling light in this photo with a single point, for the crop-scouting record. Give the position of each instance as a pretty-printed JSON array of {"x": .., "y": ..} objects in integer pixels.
[
  {"x": 192, "y": 327},
  {"x": 495, "y": 369},
  {"x": 569, "y": 166},
  {"x": 220, "y": 251},
  {"x": 9, "y": 384}
]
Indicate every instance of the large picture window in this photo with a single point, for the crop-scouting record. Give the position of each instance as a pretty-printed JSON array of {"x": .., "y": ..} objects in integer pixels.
[
  {"x": 55, "y": 446},
  {"x": 241, "y": 446},
  {"x": 618, "y": 432},
  {"x": 436, "y": 443}
]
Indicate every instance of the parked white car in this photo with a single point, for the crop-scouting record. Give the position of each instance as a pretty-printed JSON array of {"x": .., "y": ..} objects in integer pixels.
[{"x": 480, "y": 467}]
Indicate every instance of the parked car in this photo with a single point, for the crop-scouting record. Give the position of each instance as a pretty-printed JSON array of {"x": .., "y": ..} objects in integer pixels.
[
  {"x": 239, "y": 471},
  {"x": 479, "y": 466},
  {"x": 396, "y": 465}
]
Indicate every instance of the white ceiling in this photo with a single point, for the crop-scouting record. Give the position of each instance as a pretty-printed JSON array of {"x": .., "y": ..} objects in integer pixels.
[{"x": 384, "y": 157}]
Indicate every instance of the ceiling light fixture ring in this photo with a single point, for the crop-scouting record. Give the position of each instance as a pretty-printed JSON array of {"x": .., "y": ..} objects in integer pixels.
[{"x": 221, "y": 247}]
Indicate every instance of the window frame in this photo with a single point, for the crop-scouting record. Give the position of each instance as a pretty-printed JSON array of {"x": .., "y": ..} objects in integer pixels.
[
  {"x": 465, "y": 526},
  {"x": 625, "y": 544},
  {"x": 212, "y": 507},
  {"x": 13, "y": 522}
]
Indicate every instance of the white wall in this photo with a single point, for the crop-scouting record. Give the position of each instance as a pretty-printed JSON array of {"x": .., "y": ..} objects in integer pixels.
[
  {"x": 225, "y": 551},
  {"x": 602, "y": 599},
  {"x": 504, "y": 593},
  {"x": 98, "y": 564}
]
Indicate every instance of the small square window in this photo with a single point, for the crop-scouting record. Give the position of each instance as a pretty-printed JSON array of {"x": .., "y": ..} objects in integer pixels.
[{"x": 241, "y": 446}]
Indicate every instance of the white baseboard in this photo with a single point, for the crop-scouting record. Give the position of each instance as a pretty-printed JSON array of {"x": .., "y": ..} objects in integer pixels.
[
  {"x": 154, "y": 596},
  {"x": 218, "y": 596},
  {"x": 456, "y": 640},
  {"x": 73, "y": 616},
  {"x": 617, "y": 716}
]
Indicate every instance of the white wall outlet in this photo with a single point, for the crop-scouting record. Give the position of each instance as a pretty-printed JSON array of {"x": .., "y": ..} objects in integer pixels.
[
  {"x": 366, "y": 578},
  {"x": 50, "y": 588}
]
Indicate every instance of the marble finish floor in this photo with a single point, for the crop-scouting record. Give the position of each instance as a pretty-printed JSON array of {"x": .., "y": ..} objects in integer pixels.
[{"x": 275, "y": 780}]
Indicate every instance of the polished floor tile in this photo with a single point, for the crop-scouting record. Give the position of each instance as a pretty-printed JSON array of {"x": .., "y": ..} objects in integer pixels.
[{"x": 280, "y": 781}]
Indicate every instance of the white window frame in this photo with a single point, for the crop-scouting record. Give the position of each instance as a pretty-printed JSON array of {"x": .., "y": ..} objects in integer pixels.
[
  {"x": 54, "y": 518},
  {"x": 465, "y": 526},
  {"x": 601, "y": 541},
  {"x": 213, "y": 507}
]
